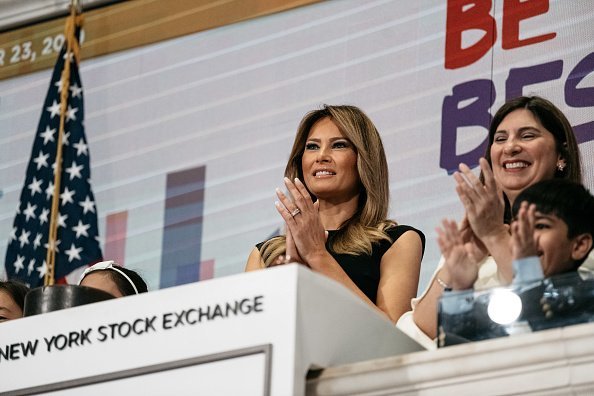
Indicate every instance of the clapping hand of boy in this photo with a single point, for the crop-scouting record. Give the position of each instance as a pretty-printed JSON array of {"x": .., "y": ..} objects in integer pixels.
[{"x": 523, "y": 243}]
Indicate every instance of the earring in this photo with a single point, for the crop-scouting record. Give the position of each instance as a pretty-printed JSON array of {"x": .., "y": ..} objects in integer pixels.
[{"x": 560, "y": 166}]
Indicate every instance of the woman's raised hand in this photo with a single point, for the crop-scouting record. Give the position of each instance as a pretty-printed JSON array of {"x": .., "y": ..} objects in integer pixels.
[
  {"x": 483, "y": 203},
  {"x": 468, "y": 236},
  {"x": 461, "y": 258},
  {"x": 306, "y": 236},
  {"x": 292, "y": 255}
]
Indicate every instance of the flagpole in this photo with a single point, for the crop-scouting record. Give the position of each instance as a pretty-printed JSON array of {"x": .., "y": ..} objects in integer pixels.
[{"x": 72, "y": 22}]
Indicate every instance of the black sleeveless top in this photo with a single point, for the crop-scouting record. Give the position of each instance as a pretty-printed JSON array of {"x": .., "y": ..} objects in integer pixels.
[{"x": 364, "y": 270}]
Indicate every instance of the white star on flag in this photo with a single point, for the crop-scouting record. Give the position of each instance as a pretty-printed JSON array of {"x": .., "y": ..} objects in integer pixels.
[
  {"x": 88, "y": 205},
  {"x": 37, "y": 241},
  {"x": 73, "y": 253},
  {"x": 81, "y": 148},
  {"x": 42, "y": 269},
  {"x": 74, "y": 170},
  {"x": 35, "y": 186},
  {"x": 52, "y": 246},
  {"x": 24, "y": 238},
  {"x": 76, "y": 90},
  {"x": 13, "y": 233},
  {"x": 19, "y": 264},
  {"x": 71, "y": 113},
  {"x": 43, "y": 216},
  {"x": 41, "y": 160},
  {"x": 31, "y": 266},
  {"x": 58, "y": 85},
  {"x": 62, "y": 220},
  {"x": 30, "y": 211},
  {"x": 48, "y": 135},
  {"x": 81, "y": 229},
  {"x": 49, "y": 191},
  {"x": 66, "y": 196},
  {"x": 54, "y": 109}
]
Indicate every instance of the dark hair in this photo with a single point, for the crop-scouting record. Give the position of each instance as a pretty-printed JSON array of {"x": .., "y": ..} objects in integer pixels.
[
  {"x": 122, "y": 283},
  {"x": 555, "y": 122},
  {"x": 569, "y": 201},
  {"x": 16, "y": 290}
]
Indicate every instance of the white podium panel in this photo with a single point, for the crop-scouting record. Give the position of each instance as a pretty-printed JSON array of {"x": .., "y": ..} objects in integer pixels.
[
  {"x": 249, "y": 373},
  {"x": 257, "y": 332}
]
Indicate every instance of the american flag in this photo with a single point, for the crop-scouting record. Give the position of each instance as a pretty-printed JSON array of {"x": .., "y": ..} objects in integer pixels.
[{"x": 77, "y": 235}]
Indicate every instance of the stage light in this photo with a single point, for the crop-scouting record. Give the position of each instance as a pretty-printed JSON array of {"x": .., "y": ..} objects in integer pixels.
[{"x": 504, "y": 306}]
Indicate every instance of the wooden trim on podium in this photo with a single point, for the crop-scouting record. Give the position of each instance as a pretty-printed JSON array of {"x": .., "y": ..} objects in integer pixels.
[{"x": 127, "y": 25}]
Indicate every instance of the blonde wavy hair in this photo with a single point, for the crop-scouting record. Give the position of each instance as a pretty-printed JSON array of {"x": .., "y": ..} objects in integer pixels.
[{"x": 367, "y": 226}]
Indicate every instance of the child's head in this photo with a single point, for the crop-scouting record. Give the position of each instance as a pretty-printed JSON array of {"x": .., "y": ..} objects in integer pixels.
[
  {"x": 113, "y": 279},
  {"x": 12, "y": 299},
  {"x": 564, "y": 223}
]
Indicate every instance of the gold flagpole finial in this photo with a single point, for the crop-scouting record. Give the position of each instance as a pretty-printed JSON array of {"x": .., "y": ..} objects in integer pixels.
[{"x": 76, "y": 5}]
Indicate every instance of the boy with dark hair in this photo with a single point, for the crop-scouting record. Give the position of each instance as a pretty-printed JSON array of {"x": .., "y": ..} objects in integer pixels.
[
  {"x": 553, "y": 229},
  {"x": 552, "y": 234}
]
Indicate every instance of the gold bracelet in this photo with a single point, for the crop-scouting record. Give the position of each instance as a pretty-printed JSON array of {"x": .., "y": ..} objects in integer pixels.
[{"x": 445, "y": 286}]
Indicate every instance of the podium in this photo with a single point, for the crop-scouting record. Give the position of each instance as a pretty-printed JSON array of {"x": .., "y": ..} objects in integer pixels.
[{"x": 256, "y": 333}]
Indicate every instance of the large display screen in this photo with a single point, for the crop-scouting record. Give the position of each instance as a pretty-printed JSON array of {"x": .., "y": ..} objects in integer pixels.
[{"x": 189, "y": 137}]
